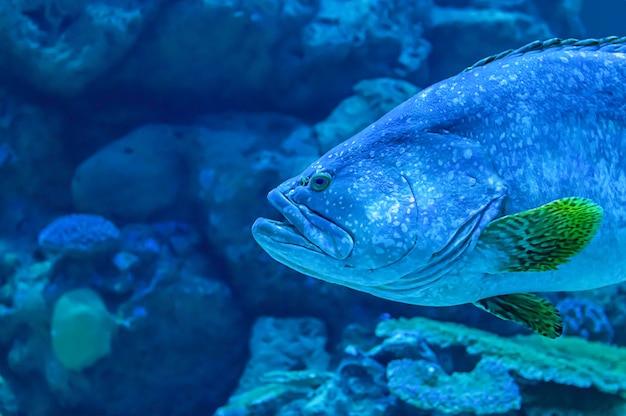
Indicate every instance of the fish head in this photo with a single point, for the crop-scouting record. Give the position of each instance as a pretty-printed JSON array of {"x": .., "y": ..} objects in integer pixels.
[{"x": 377, "y": 208}]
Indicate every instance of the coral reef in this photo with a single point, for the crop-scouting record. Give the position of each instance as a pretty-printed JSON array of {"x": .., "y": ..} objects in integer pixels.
[
  {"x": 585, "y": 319},
  {"x": 322, "y": 49},
  {"x": 60, "y": 46},
  {"x": 132, "y": 178},
  {"x": 439, "y": 367},
  {"x": 138, "y": 140},
  {"x": 592, "y": 374},
  {"x": 289, "y": 344},
  {"x": 79, "y": 235},
  {"x": 287, "y": 362},
  {"x": 199, "y": 311},
  {"x": 357, "y": 385}
]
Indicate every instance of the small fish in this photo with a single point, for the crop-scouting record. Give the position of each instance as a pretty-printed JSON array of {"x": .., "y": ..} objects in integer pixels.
[{"x": 506, "y": 179}]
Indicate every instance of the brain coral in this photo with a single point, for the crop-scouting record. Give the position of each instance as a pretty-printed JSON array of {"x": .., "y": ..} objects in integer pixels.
[{"x": 79, "y": 235}]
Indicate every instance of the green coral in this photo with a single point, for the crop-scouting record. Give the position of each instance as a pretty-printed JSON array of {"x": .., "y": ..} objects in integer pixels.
[
  {"x": 371, "y": 100},
  {"x": 488, "y": 389},
  {"x": 569, "y": 361},
  {"x": 297, "y": 378},
  {"x": 262, "y": 400}
]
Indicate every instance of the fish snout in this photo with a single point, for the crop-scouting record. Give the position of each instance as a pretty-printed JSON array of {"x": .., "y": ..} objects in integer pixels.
[{"x": 319, "y": 231}]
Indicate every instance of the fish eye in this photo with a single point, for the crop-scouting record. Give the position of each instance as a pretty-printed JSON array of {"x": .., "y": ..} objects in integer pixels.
[
  {"x": 304, "y": 180},
  {"x": 320, "y": 181}
]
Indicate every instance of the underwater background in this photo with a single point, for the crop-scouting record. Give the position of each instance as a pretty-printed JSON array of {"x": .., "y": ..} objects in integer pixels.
[{"x": 138, "y": 141}]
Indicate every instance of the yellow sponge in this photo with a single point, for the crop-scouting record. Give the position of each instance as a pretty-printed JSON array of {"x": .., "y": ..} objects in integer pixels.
[{"x": 81, "y": 329}]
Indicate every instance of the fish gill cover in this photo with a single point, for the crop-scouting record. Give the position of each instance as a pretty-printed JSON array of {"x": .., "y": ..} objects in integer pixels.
[{"x": 139, "y": 138}]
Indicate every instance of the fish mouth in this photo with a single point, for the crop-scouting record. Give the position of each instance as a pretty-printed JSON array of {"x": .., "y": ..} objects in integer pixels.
[{"x": 303, "y": 228}]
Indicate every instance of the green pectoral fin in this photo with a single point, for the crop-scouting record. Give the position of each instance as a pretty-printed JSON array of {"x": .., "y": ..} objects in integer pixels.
[
  {"x": 528, "y": 310},
  {"x": 542, "y": 238}
]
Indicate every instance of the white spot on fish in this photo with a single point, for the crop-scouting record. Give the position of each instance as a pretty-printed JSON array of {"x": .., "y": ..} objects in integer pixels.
[{"x": 579, "y": 75}]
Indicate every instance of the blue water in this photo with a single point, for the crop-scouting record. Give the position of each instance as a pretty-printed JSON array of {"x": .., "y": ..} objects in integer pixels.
[{"x": 167, "y": 122}]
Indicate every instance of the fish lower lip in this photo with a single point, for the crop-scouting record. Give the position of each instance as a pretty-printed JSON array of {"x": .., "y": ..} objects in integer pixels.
[
  {"x": 281, "y": 232},
  {"x": 324, "y": 234}
]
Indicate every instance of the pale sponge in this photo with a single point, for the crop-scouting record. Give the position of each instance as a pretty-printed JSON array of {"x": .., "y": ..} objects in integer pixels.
[{"x": 81, "y": 330}]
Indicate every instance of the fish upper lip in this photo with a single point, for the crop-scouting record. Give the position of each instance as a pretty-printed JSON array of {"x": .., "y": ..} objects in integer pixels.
[{"x": 325, "y": 235}]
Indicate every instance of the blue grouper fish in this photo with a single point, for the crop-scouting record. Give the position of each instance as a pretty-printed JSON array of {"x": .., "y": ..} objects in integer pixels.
[{"x": 506, "y": 179}]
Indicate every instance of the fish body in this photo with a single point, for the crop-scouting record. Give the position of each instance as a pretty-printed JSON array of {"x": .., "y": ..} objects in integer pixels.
[{"x": 405, "y": 209}]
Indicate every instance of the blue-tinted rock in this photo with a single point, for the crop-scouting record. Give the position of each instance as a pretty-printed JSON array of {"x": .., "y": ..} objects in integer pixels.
[
  {"x": 34, "y": 167},
  {"x": 237, "y": 159},
  {"x": 181, "y": 356},
  {"x": 134, "y": 177},
  {"x": 355, "y": 39},
  {"x": 179, "y": 237},
  {"x": 296, "y": 56},
  {"x": 233, "y": 57},
  {"x": 371, "y": 100},
  {"x": 284, "y": 344},
  {"x": 287, "y": 362},
  {"x": 563, "y": 16},
  {"x": 463, "y": 36},
  {"x": 8, "y": 400},
  {"x": 61, "y": 45}
]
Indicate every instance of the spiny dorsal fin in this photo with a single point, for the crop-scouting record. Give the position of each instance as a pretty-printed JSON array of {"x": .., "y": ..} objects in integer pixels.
[
  {"x": 542, "y": 238},
  {"x": 539, "y": 45},
  {"x": 528, "y": 310}
]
